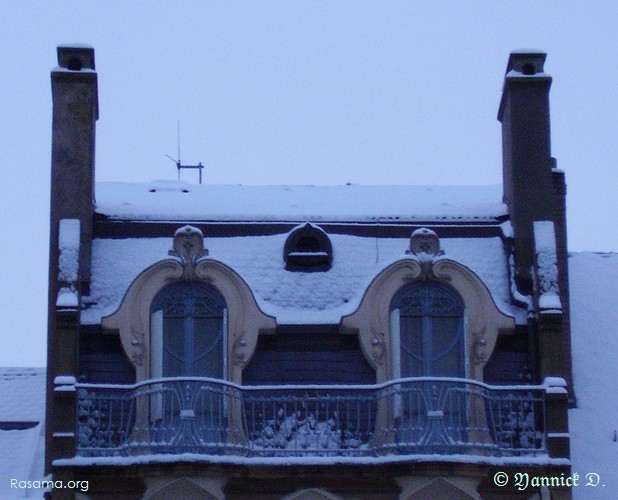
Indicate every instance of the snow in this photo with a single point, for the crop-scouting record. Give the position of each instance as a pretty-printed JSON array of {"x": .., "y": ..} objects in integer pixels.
[
  {"x": 22, "y": 394},
  {"x": 554, "y": 385},
  {"x": 175, "y": 200},
  {"x": 507, "y": 229},
  {"x": 594, "y": 423},
  {"x": 292, "y": 297},
  {"x": 67, "y": 299},
  {"x": 320, "y": 461},
  {"x": 59, "y": 69},
  {"x": 547, "y": 265},
  {"x": 75, "y": 45},
  {"x": 65, "y": 380},
  {"x": 514, "y": 73},
  {"x": 544, "y": 236},
  {"x": 68, "y": 244},
  {"x": 22, "y": 399},
  {"x": 19, "y": 452}
]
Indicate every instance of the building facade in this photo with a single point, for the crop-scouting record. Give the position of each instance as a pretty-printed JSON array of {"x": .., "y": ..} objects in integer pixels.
[{"x": 308, "y": 342}]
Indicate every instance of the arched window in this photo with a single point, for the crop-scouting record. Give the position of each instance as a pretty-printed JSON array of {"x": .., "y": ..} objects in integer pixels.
[
  {"x": 427, "y": 331},
  {"x": 188, "y": 331}
]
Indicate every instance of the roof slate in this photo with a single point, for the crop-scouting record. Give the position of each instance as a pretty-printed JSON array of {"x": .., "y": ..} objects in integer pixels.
[{"x": 292, "y": 297}]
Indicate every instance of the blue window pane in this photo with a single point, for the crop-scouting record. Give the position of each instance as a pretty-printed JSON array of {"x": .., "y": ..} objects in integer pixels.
[
  {"x": 192, "y": 330},
  {"x": 431, "y": 330},
  {"x": 208, "y": 347}
]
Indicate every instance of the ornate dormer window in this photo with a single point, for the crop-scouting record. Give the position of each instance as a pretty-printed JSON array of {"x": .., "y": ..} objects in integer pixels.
[
  {"x": 308, "y": 249},
  {"x": 189, "y": 315}
]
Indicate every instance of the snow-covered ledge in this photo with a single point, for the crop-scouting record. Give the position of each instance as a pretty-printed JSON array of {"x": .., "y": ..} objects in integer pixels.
[
  {"x": 132, "y": 319},
  {"x": 426, "y": 262}
]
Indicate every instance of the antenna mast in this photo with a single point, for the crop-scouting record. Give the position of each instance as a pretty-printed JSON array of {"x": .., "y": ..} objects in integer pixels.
[{"x": 179, "y": 165}]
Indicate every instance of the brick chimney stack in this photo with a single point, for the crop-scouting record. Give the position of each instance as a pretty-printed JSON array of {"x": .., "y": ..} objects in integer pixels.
[
  {"x": 75, "y": 112},
  {"x": 535, "y": 191},
  {"x": 527, "y": 161}
]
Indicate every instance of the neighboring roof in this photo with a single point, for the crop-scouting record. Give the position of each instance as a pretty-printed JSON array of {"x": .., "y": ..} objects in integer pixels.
[
  {"x": 22, "y": 400},
  {"x": 22, "y": 394},
  {"x": 593, "y": 424},
  {"x": 292, "y": 297},
  {"x": 175, "y": 201}
]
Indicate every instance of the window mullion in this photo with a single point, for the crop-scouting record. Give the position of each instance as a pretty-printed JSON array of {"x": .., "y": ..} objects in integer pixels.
[
  {"x": 188, "y": 341},
  {"x": 427, "y": 340}
]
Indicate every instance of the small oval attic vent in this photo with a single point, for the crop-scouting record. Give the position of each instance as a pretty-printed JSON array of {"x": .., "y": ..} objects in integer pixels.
[{"x": 308, "y": 249}]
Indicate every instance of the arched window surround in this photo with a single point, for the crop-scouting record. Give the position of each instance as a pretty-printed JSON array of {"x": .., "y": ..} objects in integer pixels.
[
  {"x": 483, "y": 320},
  {"x": 133, "y": 317}
]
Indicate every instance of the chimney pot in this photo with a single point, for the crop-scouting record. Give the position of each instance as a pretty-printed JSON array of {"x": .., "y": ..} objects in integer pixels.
[{"x": 76, "y": 57}]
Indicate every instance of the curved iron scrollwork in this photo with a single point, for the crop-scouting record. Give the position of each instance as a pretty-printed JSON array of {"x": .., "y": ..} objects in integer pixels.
[
  {"x": 189, "y": 299},
  {"x": 428, "y": 299}
]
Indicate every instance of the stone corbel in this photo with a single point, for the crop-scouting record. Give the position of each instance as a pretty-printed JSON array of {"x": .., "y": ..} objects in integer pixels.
[
  {"x": 378, "y": 350},
  {"x": 480, "y": 349},
  {"x": 241, "y": 351}
]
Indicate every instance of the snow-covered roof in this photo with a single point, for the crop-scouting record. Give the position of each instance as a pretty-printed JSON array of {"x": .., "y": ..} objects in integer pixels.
[
  {"x": 174, "y": 200},
  {"x": 593, "y": 280},
  {"x": 292, "y": 297},
  {"x": 22, "y": 394},
  {"x": 22, "y": 399}
]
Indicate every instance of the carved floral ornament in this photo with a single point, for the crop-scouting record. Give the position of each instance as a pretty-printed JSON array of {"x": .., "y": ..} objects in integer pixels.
[
  {"x": 425, "y": 247},
  {"x": 189, "y": 248}
]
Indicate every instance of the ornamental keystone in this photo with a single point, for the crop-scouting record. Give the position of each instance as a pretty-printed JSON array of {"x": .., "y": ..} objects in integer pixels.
[{"x": 189, "y": 248}]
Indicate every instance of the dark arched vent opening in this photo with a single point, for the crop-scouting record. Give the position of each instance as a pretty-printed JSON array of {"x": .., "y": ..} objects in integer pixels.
[{"x": 308, "y": 249}]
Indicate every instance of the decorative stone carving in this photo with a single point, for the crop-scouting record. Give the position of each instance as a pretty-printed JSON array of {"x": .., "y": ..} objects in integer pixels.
[
  {"x": 425, "y": 241},
  {"x": 377, "y": 348},
  {"x": 137, "y": 351},
  {"x": 241, "y": 352},
  {"x": 480, "y": 353},
  {"x": 425, "y": 246},
  {"x": 189, "y": 248}
]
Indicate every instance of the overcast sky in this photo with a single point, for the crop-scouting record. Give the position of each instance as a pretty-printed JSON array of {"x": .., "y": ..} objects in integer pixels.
[{"x": 286, "y": 92}]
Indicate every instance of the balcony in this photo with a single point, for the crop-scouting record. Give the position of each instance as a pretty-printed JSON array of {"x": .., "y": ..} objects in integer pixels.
[{"x": 406, "y": 417}]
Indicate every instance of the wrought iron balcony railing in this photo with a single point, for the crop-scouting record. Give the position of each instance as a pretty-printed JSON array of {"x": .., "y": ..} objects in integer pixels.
[{"x": 403, "y": 417}]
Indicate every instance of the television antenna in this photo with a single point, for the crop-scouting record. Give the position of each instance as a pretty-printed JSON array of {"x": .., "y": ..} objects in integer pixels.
[{"x": 179, "y": 165}]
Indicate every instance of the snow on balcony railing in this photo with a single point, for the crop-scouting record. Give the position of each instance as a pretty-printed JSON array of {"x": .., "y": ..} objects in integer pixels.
[{"x": 412, "y": 416}]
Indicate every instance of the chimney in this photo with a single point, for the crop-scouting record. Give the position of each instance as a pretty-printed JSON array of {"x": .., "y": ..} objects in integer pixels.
[
  {"x": 527, "y": 161},
  {"x": 535, "y": 191},
  {"x": 75, "y": 112}
]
